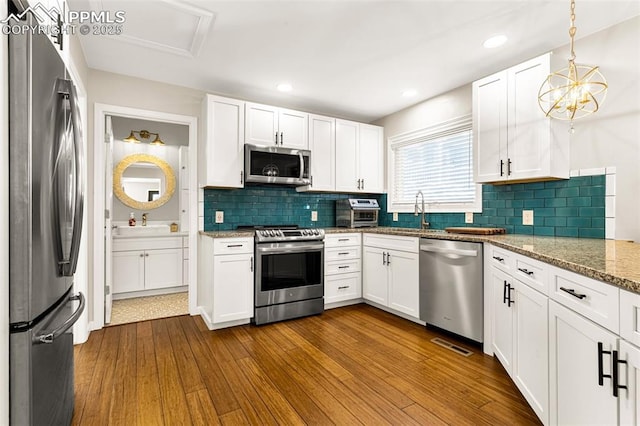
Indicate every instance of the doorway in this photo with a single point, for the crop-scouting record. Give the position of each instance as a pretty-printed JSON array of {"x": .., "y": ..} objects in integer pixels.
[{"x": 143, "y": 272}]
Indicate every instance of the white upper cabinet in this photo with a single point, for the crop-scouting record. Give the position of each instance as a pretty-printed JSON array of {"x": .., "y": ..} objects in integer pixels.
[
  {"x": 513, "y": 140},
  {"x": 359, "y": 157},
  {"x": 221, "y": 156},
  {"x": 322, "y": 143},
  {"x": 268, "y": 125}
]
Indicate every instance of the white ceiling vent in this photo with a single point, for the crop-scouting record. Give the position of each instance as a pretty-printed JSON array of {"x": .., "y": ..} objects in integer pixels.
[{"x": 169, "y": 25}]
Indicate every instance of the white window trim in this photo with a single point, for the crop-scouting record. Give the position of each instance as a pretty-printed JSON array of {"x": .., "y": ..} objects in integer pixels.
[{"x": 408, "y": 137}]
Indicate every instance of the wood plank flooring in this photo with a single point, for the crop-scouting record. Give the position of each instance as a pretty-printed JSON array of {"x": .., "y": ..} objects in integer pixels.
[{"x": 348, "y": 366}]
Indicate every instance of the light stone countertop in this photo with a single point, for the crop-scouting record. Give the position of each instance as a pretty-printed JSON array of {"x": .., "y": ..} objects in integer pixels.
[{"x": 613, "y": 261}]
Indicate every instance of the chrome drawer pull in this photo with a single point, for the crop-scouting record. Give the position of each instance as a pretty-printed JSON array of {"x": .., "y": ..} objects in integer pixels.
[
  {"x": 343, "y": 287},
  {"x": 526, "y": 271},
  {"x": 233, "y": 245},
  {"x": 343, "y": 239},
  {"x": 573, "y": 293},
  {"x": 343, "y": 253}
]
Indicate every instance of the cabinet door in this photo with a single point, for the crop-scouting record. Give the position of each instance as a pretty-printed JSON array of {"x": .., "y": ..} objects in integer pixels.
[
  {"x": 531, "y": 342},
  {"x": 232, "y": 287},
  {"x": 347, "y": 173},
  {"x": 371, "y": 158},
  {"x": 261, "y": 124},
  {"x": 322, "y": 143},
  {"x": 221, "y": 162},
  {"x": 490, "y": 128},
  {"x": 293, "y": 128},
  {"x": 403, "y": 282},
  {"x": 528, "y": 128},
  {"x": 375, "y": 275},
  {"x": 128, "y": 271},
  {"x": 163, "y": 268},
  {"x": 629, "y": 399},
  {"x": 502, "y": 321},
  {"x": 575, "y": 395}
]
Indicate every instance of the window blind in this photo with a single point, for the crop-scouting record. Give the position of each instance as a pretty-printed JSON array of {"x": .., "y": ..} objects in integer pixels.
[{"x": 437, "y": 162}]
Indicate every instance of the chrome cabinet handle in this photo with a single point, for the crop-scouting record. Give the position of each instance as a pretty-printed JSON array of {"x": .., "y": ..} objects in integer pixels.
[{"x": 384, "y": 258}]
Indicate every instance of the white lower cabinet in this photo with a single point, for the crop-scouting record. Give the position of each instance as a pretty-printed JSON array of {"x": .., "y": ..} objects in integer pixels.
[
  {"x": 342, "y": 270},
  {"x": 141, "y": 264},
  {"x": 520, "y": 338},
  {"x": 225, "y": 281},
  {"x": 390, "y": 276},
  {"x": 629, "y": 346},
  {"x": 580, "y": 393}
]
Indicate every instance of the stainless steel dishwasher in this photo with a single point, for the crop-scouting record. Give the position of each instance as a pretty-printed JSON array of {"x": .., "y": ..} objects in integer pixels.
[{"x": 451, "y": 286}]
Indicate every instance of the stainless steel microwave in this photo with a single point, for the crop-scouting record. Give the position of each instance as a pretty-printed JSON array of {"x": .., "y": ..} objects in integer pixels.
[{"x": 277, "y": 165}]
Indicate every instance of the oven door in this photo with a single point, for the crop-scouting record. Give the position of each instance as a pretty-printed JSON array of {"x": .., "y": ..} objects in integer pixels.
[{"x": 288, "y": 271}]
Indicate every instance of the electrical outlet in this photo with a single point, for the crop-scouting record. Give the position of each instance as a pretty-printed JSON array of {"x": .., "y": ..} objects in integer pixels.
[
  {"x": 468, "y": 217},
  {"x": 395, "y": 216},
  {"x": 527, "y": 217},
  {"x": 219, "y": 217},
  {"x": 314, "y": 216}
]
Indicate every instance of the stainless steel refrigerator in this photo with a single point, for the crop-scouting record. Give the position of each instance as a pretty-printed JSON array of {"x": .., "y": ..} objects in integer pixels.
[{"x": 45, "y": 223}]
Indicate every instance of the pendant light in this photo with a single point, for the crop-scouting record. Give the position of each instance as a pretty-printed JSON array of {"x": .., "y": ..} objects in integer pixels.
[{"x": 575, "y": 91}]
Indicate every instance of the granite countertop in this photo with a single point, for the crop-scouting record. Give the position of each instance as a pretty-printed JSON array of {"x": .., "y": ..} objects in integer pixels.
[{"x": 613, "y": 261}]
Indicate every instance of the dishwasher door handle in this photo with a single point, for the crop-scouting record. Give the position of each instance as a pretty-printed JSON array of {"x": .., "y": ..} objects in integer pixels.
[{"x": 442, "y": 250}]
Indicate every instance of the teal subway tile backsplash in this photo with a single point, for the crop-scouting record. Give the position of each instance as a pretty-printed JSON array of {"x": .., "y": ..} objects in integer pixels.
[{"x": 564, "y": 208}]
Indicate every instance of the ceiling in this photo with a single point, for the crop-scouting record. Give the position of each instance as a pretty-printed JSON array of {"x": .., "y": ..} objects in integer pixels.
[{"x": 350, "y": 59}]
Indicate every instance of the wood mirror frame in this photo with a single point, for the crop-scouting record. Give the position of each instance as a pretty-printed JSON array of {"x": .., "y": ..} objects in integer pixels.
[{"x": 170, "y": 181}]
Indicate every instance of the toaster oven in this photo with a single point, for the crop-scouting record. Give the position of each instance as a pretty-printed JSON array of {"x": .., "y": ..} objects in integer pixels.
[{"x": 357, "y": 213}]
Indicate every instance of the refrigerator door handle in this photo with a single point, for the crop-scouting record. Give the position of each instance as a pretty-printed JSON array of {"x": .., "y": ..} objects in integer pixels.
[
  {"x": 79, "y": 196},
  {"x": 51, "y": 336}
]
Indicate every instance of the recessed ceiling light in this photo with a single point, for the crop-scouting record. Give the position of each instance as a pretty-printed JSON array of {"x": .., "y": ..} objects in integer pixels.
[
  {"x": 285, "y": 87},
  {"x": 495, "y": 41},
  {"x": 409, "y": 93}
]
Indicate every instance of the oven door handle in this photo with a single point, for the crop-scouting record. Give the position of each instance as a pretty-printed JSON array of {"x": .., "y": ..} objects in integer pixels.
[{"x": 290, "y": 249}]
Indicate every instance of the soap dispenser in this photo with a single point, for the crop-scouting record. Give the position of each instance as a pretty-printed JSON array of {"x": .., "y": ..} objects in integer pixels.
[{"x": 132, "y": 219}]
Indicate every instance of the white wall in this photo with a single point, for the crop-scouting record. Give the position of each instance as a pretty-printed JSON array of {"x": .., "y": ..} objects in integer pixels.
[
  {"x": 4, "y": 226},
  {"x": 114, "y": 89},
  {"x": 608, "y": 138}
]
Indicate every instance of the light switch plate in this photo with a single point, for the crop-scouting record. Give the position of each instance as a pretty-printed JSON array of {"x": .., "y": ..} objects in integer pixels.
[
  {"x": 219, "y": 217},
  {"x": 468, "y": 217},
  {"x": 314, "y": 216},
  {"x": 527, "y": 217},
  {"x": 395, "y": 216}
]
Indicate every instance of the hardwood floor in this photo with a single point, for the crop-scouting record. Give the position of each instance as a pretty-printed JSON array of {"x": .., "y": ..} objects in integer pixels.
[{"x": 353, "y": 365}]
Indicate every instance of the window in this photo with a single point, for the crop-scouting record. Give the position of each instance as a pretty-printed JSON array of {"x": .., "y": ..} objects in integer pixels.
[{"x": 438, "y": 161}]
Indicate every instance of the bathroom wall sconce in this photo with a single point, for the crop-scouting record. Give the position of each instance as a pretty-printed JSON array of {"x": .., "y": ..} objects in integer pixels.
[{"x": 144, "y": 134}]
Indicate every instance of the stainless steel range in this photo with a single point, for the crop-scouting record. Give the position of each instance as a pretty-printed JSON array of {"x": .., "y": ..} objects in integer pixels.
[{"x": 289, "y": 273}]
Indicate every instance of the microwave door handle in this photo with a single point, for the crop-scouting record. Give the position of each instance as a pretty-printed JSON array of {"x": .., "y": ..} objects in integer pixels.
[{"x": 301, "y": 164}]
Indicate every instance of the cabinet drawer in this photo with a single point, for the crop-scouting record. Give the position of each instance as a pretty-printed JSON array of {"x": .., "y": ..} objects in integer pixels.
[
  {"x": 595, "y": 300},
  {"x": 128, "y": 244},
  {"x": 341, "y": 253},
  {"x": 338, "y": 288},
  {"x": 232, "y": 245},
  {"x": 391, "y": 242},
  {"x": 531, "y": 272},
  {"x": 501, "y": 258},
  {"x": 342, "y": 267},
  {"x": 630, "y": 317},
  {"x": 341, "y": 240}
]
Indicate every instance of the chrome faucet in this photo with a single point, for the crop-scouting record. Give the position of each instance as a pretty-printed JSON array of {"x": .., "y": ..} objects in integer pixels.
[
  {"x": 144, "y": 219},
  {"x": 423, "y": 223}
]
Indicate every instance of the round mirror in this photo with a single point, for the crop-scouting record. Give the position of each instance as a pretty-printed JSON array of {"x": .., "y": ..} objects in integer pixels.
[{"x": 143, "y": 182}]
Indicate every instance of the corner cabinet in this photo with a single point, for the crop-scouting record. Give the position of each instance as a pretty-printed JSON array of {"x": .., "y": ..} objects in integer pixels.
[
  {"x": 359, "y": 157},
  {"x": 225, "y": 281},
  {"x": 268, "y": 125},
  {"x": 513, "y": 140},
  {"x": 390, "y": 272},
  {"x": 221, "y": 153}
]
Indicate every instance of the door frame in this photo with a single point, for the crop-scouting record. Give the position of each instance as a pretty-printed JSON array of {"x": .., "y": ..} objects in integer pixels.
[{"x": 100, "y": 111}]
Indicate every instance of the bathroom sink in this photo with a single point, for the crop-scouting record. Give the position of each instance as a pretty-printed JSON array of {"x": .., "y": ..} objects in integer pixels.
[{"x": 143, "y": 230}]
